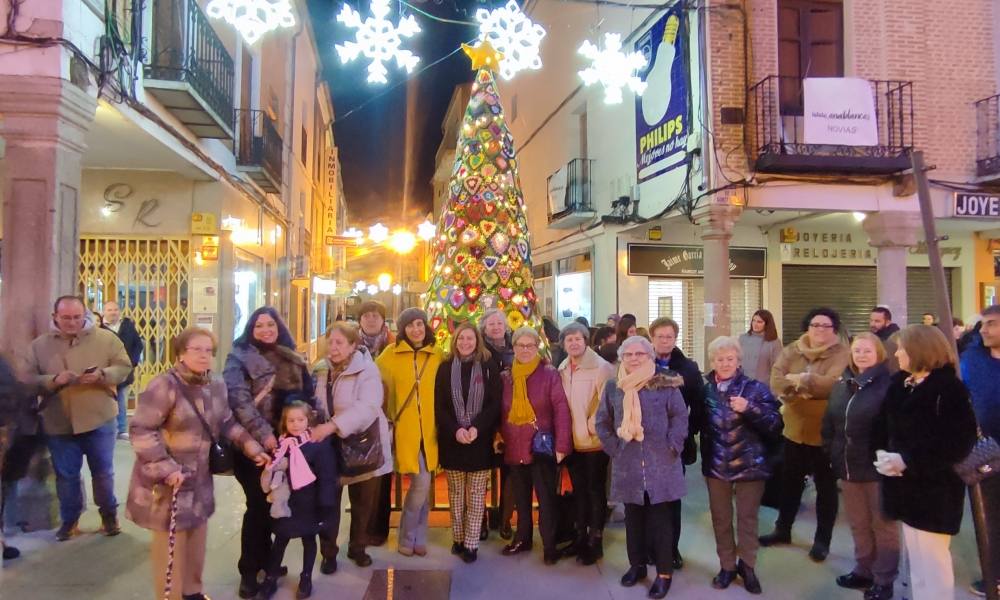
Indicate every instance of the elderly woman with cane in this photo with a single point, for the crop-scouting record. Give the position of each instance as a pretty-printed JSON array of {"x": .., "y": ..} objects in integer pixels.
[{"x": 178, "y": 423}]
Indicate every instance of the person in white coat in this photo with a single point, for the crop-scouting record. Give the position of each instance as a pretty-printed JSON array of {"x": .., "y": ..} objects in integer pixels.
[{"x": 349, "y": 400}]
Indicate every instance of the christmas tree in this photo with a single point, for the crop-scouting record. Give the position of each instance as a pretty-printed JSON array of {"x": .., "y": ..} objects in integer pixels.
[{"x": 481, "y": 250}]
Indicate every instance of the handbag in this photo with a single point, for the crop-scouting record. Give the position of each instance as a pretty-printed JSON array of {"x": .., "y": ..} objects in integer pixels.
[
  {"x": 983, "y": 460},
  {"x": 361, "y": 453},
  {"x": 220, "y": 454},
  {"x": 543, "y": 443}
]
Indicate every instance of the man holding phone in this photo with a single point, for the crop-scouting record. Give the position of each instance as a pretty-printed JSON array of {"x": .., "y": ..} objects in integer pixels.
[{"x": 78, "y": 367}]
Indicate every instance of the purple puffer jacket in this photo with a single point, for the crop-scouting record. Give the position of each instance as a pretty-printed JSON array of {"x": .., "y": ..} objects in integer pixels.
[{"x": 548, "y": 400}]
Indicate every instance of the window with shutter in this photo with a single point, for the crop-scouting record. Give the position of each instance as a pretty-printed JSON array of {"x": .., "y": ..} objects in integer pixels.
[{"x": 810, "y": 44}]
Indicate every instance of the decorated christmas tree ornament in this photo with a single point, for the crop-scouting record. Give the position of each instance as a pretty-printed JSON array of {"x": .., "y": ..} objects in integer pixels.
[
  {"x": 253, "y": 18},
  {"x": 379, "y": 39},
  {"x": 481, "y": 250},
  {"x": 517, "y": 38},
  {"x": 613, "y": 68}
]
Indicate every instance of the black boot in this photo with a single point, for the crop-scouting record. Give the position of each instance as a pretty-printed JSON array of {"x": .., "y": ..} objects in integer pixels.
[
  {"x": 248, "y": 586},
  {"x": 819, "y": 551},
  {"x": 593, "y": 551},
  {"x": 10, "y": 553},
  {"x": 633, "y": 575},
  {"x": 267, "y": 588},
  {"x": 305, "y": 587},
  {"x": 879, "y": 592},
  {"x": 780, "y": 535},
  {"x": 660, "y": 587},
  {"x": 750, "y": 581},
  {"x": 576, "y": 547}
]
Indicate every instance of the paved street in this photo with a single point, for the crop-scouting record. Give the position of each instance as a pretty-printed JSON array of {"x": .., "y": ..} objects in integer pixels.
[{"x": 96, "y": 567}]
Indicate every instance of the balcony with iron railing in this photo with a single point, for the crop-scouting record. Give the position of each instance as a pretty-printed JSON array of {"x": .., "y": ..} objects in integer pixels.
[
  {"x": 189, "y": 70},
  {"x": 570, "y": 202},
  {"x": 988, "y": 138},
  {"x": 259, "y": 149},
  {"x": 779, "y": 143}
]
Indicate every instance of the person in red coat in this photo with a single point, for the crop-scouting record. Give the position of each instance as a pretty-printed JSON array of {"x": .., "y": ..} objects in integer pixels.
[{"x": 534, "y": 403}]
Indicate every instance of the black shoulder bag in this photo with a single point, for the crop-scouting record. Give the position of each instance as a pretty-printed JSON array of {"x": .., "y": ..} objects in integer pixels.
[{"x": 220, "y": 453}]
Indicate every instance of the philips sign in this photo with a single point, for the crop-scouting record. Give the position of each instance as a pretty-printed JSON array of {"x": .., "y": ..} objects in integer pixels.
[{"x": 977, "y": 206}]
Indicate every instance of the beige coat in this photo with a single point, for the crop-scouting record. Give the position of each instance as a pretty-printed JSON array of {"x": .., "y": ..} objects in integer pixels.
[
  {"x": 79, "y": 408},
  {"x": 804, "y": 406},
  {"x": 356, "y": 404},
  {"x": 583, "y": 387}
]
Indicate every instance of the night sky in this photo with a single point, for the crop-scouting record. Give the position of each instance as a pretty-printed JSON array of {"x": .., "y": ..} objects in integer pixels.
[{"x": 370, "y": 123}]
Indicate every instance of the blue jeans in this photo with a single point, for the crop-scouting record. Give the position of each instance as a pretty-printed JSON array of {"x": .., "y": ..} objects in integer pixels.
[
  {"x": 67, "y": 460},
  {"x": 122, "y": 408}
]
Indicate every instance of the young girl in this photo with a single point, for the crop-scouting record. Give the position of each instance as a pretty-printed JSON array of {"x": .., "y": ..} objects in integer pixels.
[{"x": 301, "y": 484}]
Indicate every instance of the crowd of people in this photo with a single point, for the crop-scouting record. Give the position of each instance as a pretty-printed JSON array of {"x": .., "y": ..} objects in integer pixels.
[{"x": 878, "y": 419}]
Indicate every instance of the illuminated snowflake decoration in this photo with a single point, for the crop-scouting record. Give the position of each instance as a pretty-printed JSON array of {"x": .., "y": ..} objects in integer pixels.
[
  {"x": 253, "y": 18},
  {"x": 613, "y": 68},
  {"x": 378, "y": 39},
  {"x": 514, "y": 35}
]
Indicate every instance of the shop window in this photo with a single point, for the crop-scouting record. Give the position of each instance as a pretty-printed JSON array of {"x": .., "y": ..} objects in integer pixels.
[{"x": 683, "y": 300}]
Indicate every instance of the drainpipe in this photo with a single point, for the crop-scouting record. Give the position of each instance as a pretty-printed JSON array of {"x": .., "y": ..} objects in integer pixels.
[{"x": 288, "y": 167}]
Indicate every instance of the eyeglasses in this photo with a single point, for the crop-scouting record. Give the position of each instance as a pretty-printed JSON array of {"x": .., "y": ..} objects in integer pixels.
[
  {"x": 630, "y": 355},
  {"x": 199, "y": 350},
  {"x": 820, "y": 326},
  {"x": 525, "y": 346}
]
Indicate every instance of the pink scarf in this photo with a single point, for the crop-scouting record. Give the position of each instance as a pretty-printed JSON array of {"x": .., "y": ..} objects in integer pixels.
[{"x": 299, "y": 473}]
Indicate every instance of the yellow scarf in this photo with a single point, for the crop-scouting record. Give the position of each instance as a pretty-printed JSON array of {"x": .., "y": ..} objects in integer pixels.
[
  {"x": 521, "y": 412},
  {"x": 631, "y": 383}
]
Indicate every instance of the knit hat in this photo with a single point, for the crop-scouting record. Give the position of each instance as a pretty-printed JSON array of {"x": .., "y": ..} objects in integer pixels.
[
  {"x": 371, "y": 306},
  {"x": 408, "y": 316}
]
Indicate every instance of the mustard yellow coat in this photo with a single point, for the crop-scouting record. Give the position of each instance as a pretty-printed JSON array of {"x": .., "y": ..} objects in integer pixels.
[{"x": 399, "y": 365}]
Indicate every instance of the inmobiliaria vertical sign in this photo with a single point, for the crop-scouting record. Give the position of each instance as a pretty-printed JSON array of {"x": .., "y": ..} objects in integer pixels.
[{"x": 661, "y": 113}]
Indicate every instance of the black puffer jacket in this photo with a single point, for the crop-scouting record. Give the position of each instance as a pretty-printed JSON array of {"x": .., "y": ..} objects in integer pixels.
[
  {"x": 738, "y": 446},
  {"x": 855, "y": 403},
  {"x": 932, "y": 426}
]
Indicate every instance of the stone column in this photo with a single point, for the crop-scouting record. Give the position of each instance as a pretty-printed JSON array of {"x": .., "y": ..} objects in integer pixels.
[
  {"x": 717, "y": 223},
  {"x": 893, "y": 234},
  {"x": 45, "y": 121}
]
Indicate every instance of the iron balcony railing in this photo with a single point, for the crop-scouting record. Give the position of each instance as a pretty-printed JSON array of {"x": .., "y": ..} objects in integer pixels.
[
  {"x": 185, "y": 48},
  {"x": 777, "y": 127},
  {"x": 988, "y": 136},
  {"x": 577, "y": 196},
  {"x": 259, "y": 144}
]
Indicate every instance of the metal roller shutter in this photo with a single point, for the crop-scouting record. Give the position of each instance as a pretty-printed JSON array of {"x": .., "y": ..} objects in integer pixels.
[{"x": 851, "y": 291}]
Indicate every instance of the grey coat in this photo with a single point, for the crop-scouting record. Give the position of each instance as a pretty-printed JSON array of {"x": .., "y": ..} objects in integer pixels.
[
  {"x": 167, "y": 436},
  {"x": 652, "y": 466}
]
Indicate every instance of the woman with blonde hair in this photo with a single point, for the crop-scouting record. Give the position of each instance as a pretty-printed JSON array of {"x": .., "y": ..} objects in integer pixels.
[
  {"x": 855, "y": 402},
  {"x": 467, "y": 408},
  {"x": 926, "y": 425}
]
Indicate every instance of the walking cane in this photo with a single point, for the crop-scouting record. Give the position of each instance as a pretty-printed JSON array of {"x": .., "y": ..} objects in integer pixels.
[{"x": 171, "y": 542}]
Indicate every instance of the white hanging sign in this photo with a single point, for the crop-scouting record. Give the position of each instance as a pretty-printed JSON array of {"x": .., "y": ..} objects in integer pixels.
[{"x": 839, "y": 111}]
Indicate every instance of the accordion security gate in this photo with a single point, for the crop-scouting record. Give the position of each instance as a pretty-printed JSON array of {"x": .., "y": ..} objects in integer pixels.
[{"x": 149, "y": 278}]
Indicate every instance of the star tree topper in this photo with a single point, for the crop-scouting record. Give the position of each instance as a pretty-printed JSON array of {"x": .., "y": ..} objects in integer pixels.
[
  {"x": 613, "y": 68},
  {"x": 484, "y": 55},
  {"x": 253, "y": 18},
  {"x": 514, "y": 34},
  {"x": 378, "y": 39}
]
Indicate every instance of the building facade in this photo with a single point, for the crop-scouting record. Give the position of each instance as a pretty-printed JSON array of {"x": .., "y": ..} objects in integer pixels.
[
  {"x": 730, "y": 186},
  {"x": 154, "y": 158}
]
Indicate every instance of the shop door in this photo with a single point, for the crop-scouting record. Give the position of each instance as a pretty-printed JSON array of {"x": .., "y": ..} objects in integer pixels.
[
  {"x": 149, "y": 280},
  {"x": 851, "y": 291}
]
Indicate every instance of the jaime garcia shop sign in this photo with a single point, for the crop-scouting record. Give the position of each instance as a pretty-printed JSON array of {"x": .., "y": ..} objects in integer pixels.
[{"x": 662, "y": 260}]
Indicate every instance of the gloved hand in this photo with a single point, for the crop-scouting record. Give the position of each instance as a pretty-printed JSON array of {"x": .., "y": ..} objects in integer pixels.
[{"x": 890, "y": 464}]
